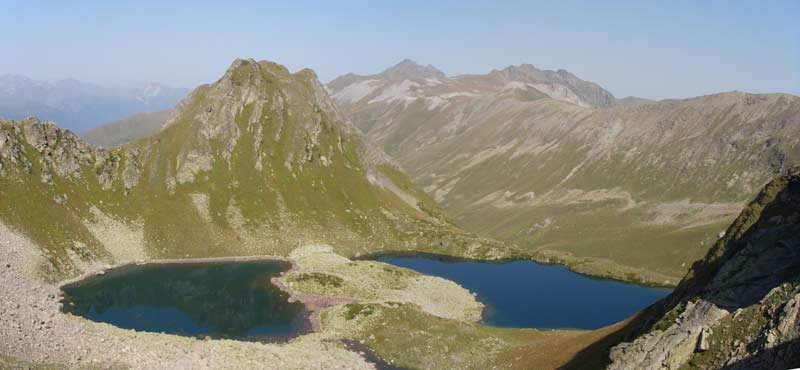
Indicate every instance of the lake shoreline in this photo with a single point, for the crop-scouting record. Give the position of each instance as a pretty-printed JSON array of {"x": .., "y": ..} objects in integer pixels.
[
  {"x": 542, "y": 260},
  {"x": 312, "y": 305},
  {"x": 511, "y": 291}
]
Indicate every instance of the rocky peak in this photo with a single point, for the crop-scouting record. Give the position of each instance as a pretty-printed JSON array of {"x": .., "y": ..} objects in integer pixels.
[
  {"x": 265, "y": 105},
  {"x": 56, "y": 153},
  {"x": 408, "y": 69},
  {"x": 521, "y": 72},
  {"x": 550, "y": 82}
]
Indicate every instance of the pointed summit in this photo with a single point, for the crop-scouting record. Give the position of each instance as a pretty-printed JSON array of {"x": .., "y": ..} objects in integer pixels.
[
  {"x": 409, "y": 69},
  {"x": 588, "y": 92},
  {"x": 258, "y": 162}
]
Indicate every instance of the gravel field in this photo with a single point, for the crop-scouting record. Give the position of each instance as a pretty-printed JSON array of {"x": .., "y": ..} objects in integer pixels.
[{"x": 32, "y": 328}]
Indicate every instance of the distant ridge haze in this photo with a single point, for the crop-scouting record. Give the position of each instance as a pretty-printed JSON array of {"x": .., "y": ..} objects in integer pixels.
[
  {"x": 80, "y": 106},
  {"x": 559, "y": 84}
]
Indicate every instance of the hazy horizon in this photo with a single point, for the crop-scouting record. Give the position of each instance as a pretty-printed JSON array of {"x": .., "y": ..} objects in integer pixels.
[{"x": 638, "y": 49}]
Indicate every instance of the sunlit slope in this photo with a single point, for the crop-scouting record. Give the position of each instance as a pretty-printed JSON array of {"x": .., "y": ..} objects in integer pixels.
[
  {"x": 257, "y": 163},
  {"x": 635, "y": 192}
]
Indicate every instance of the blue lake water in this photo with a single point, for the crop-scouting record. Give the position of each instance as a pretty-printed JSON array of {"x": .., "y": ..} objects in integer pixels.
[
  {"x": 226, "y": 299},
  {"x": 525, "y": 294}
]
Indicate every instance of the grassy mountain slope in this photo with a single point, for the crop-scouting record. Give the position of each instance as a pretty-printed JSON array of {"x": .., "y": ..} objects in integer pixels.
[
  {"x": 257, "y": 163},
  {"x": 634, "y": 192},
  {"x": 127, "y": 129}
]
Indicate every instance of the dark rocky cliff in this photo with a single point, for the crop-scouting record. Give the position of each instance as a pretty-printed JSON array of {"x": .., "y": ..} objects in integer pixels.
[{"x": 737, "y": 308}]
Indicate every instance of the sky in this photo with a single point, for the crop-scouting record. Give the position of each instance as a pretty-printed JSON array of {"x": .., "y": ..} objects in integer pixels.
[{"x": 652, "y": 49}]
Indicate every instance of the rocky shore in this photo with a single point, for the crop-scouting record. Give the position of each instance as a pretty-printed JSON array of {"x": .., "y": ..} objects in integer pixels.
[{"x": 33, "y": 328}]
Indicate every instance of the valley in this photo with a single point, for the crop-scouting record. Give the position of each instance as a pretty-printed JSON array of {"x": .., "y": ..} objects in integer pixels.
[
  {"x": 399, "y": 185},
  {"x": 264, "y": 163},
  {"x": 627, "y": 189}
]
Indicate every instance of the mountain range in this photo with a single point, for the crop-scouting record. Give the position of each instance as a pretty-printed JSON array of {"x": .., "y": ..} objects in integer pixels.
[
  {"x": 623, "y": 188},
  {"x": 700, "y": 194},
  {"x": 555, "y": 164},
  {"x": 79, "y": 106},
  {"x": 258, "y": 162}
]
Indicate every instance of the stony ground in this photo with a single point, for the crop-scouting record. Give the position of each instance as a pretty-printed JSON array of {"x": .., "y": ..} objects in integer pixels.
[
  {"x": 33, "y": 328},
  {"x": 403, "y": 317},
  {"x": 33, "y": 331}
]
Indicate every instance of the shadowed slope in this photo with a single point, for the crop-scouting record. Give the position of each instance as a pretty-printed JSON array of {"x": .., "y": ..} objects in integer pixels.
[{"x": 737, "y": 308}]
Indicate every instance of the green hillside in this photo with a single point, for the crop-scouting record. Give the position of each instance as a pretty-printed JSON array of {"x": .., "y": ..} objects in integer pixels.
[
  {"x": 259, "y": 162},
  {"x": 632, "y": 191}
]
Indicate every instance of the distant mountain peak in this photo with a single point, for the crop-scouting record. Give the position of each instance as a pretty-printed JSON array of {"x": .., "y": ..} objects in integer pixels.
[
  {"x": 409, "y": 69},
  {"x": 590, "y": 93}
]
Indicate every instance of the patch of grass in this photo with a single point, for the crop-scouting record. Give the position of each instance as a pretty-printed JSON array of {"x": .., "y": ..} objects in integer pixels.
[
  {"x": 354, "y": 310},
  {"x": 325, "y": 280},
  {"x": 669, "y": 319},
  {"x": 430, "y": 342}
]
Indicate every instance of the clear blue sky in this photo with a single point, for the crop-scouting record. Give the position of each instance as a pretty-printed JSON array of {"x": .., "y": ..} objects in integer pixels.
[{"x": 646, "y": 48}]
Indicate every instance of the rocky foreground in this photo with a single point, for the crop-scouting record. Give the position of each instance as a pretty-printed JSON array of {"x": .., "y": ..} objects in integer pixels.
[
  {"x": 402, "y": 317},
  {"x": 739, "y": 307},
  {"x": 33, "y": 328}
]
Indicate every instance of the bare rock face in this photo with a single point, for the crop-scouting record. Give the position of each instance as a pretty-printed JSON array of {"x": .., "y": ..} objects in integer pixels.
[
  {"x": 130, "y": 176},
  {"x": 59, "y": 152},
  {"x": 408, "y": 69},
  {"x": 671, "y": 348},
  {"x": 739, "y": 307},
  {"x": 106, "y": 165},
  {"x": 11, "y": 149}
]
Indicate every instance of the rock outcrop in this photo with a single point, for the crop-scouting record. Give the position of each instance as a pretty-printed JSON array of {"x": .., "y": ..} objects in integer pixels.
[{"x": 739, "y": 307}]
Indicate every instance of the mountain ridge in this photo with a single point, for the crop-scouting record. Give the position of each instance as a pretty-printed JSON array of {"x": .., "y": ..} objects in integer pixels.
[
  {"x": 635, "y": 180},
  {"x": 255, "y": 163},
  {"x": 582, "y": 92},
  {"x": 128, "y": 129},
  {"x": 78, "y": 105}
]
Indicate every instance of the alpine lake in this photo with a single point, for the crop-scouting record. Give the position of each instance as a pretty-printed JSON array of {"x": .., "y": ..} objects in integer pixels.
[{"x": 237, "y": 299}]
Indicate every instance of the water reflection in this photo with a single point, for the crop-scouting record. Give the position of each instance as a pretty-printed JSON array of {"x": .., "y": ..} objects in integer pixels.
[{"x": 231, "y": 300}]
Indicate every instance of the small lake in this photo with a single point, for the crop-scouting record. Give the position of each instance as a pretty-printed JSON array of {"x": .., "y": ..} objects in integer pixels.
[
  {"x": 221, "y": 300},
  {"x": 525, "y": 294}
]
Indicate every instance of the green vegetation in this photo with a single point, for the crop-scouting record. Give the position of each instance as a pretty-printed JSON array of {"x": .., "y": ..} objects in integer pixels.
[
  {"x": 630, "y": 192},
  {"x": 253, "y": 164},
  {"x": 431, "y": 342},
  {"x": 355, "y": 310},
  {"x": 670, "y": 318},
  {"x": 325, "y": 280},
  {"x": 123, "y": 131}
]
